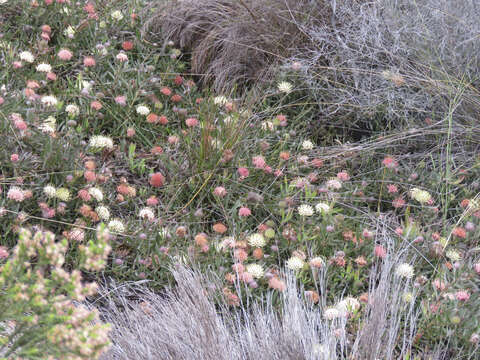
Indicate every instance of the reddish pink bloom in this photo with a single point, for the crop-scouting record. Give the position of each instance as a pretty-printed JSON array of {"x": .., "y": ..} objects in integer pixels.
[
  {"x": 258, "y": 162},
  {"x": 157, "y": 180},
  {"x": 162, "y": 120},
  {"x": 398, "y": 202},
  {"x": 84, "y": 195},
  {"x": 459, "y": 232},
  {"x": 392, "y": 189},
  {"x": 17, "y": 64},
  {"x": 89, "y": 61},
  {"x": 166, "y": 91},
  {"x": 90, "y": 176},
  {"x": 243, "y": 172},
  {"x": 178, "y": 80},
  {"x": 278, "y": 173},
  {"x": 1, "y": 100},
  {"x": 152, "y": 201},
  {"x": 14, "y": 157},
  {"x": 343, "y": 176},
  {"x": 439, "y": 285},
  {"x": 238, "y": 268},
  {"x": 276, "y": 284},
  {"x": 48, "y": 2},
  {"x": 317, "y": 163},
  {"x": 244, "y": 211},
  {"x": 462, "y": 295},
  {"x": 176, "y": 98},
  {"x": 191, "y": 122},
  {"x": 268, "y": 169},
  {"x": 45, "y": 36},
  {"x": 127, "y": 45},
  {"x": 389, "y": 162},
  {"x": 399, "y": 231},
  {"x": 172, "y": 139},
  {"x": 96, "y": 105},
  {"x": 46, "y": 28},
  {"x": 380, "y": 251},
  {"x": 156, "y": 150}
]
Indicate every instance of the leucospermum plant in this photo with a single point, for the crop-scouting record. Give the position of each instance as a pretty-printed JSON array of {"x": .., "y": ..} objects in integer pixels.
[{"x": 42, "y": 316}]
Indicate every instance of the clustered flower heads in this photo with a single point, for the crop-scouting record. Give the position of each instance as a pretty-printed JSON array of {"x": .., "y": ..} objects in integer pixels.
[
  {"x": 322, "y": 208},
  {"x": 143, "y": 110},
  {"x": 96, "y": 193},
  {"x": 146, "y": 213},
  {"x": 116, "y": 225}
]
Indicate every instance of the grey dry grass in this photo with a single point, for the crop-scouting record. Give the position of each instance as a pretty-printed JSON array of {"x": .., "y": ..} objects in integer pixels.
[{"x": 188, "y": 323}]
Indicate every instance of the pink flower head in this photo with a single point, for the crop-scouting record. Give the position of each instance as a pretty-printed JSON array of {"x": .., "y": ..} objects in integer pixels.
[
  {"x": 258, "y": 162},
  {"x": 220, "y": 191},
  {"x": 166, "y": 91},
  {"x": 343, "y": 176},
  {"x": 380, "y": 251},
  {"x": 121, "y": 100},
  {"x": 17, "y": 64},
  {"x": 278, "y": 173},
  {"x": 16, "y": 194},
  {"x": 191, "y": 122},
  {"x": 89, "y": 61},
  {"x": 152, "y": 201},
  {"x": 268, "y": 169},
  {"x": 14, "y": 157},
  {"x": 20, "y": 124},
  {"x": 390, "y": 163},
  {"x": 392, "y": 189},
  {"x": 244, "y": 211},
  {"x": 45, "y": 36},
  {"x": 65, "y": 54},
  {"x": 51, "y": 76},
  {"x": 476, "y": 267},
  {"x": 399, "y": 231},
  {"x": 462, "y": 295},
  {"x": 243, "y": 172},
  {"x": 3, "y": 252},
  {"x": 1, "y": 100},
  {"x": 84, "y": 195},
  {"x": 282, "y": 120},
  {"x": 398, "y": 202}
]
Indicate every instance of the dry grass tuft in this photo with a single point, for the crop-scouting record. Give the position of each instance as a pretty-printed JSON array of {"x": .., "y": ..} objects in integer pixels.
[{"x": 233, "y": 42}]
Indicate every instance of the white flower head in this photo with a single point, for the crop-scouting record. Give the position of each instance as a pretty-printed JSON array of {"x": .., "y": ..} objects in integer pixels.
[
  {"x": 117, "y": 15},
  {"x": 62, "y": 194},
  {"x": 27, "y": 56},
  {"x": 100, "y": 142},
  {"x": 103, "y": 212},
  {"x": 285, "y": 87},
  {"x": 143, "y": 110},
  {"x": 305, "y": 210},
  {"x": 69, "y": 32},
  {"x": 334, "y": 184},
  {"x": 295, "y": 263},
  {"x": 49, "y": 100},
  {"x": 146, "y": 213},
  {"x": 307, "y": 145},
  {"x": 322, "y": 208},
  {"x": 50, "y": 191},
  {"x": 331, "y": 313},
  {"x": 72, "y": 109},
  {"x": 116, "y": 225},
  {"x": 257, "y": 240},
  {"x": 255, "y": 270},
  {"x": 96, "y": 193},
  {"x": 220, "y": 100},
  {"x": 44, "y": 68},
  {"x": 453, "y": 255},
  {"x": 405, "y": 270},
  {"x": 348, "y": 305}
]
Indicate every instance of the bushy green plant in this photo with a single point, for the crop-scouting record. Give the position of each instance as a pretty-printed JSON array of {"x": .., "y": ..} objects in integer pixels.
[{"x": 42, "y": 313}]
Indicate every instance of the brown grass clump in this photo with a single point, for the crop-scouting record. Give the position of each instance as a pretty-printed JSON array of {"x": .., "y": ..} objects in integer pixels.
[{"x": 234, "y": 42}]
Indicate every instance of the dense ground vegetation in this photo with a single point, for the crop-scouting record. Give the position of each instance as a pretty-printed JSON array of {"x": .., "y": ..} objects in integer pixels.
[{"x": 319, "y": 164}]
